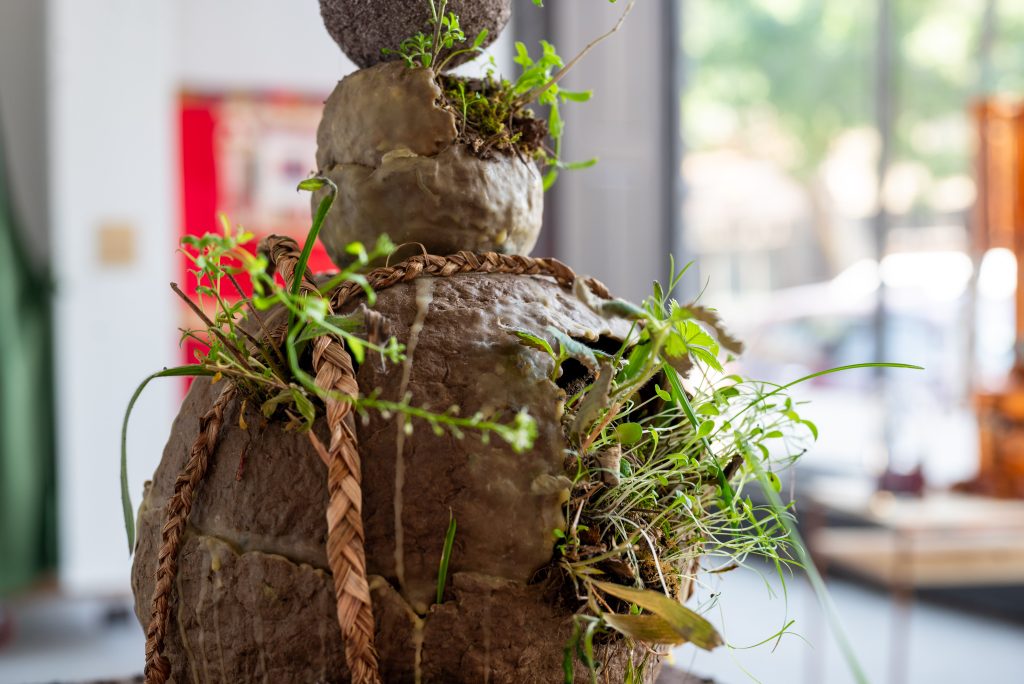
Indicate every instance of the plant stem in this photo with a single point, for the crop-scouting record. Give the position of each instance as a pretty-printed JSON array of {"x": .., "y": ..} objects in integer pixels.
[
  {"x": 532, "y": 95},
  {"x": 212, "y": 327}
]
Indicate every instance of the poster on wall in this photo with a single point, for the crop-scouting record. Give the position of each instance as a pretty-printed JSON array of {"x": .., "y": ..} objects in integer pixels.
[{"x": 242, "y": 156}]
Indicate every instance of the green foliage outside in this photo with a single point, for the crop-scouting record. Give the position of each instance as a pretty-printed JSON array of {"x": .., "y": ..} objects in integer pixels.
[{"x": 804, "y": 71}]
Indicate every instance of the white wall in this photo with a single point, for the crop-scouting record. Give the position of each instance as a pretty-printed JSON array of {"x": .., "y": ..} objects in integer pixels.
[{"x": 111, "y": 161}]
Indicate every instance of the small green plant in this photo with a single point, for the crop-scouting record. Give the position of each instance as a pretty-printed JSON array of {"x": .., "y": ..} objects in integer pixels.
[
  {"x": 260, "y": 343},
  {"x": 446, "y": 557},
  {"x": 436, "y": 49},
  {"x": 494, "y": 113},
  {"x": 665, "y": 443}
]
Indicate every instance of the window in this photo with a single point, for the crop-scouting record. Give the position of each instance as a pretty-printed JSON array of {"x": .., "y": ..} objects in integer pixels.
[{"x": 829, "y": 188}]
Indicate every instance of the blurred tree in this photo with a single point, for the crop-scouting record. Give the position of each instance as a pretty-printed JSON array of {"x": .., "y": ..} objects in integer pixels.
[{"x": 803, "y": 71}]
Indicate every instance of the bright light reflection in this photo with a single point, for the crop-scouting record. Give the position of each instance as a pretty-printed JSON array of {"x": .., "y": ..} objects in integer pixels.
[
  {"x": 859, "y": 279},
  {"x": 941, "y": 275},
  {"x": 997, "y": 277}
]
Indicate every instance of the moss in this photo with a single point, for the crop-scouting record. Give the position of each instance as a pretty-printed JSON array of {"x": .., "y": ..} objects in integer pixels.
[{"x": 489, "y": 121}]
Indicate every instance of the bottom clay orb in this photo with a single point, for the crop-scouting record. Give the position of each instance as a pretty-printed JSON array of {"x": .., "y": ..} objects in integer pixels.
[{"x": 253, "y": 597}]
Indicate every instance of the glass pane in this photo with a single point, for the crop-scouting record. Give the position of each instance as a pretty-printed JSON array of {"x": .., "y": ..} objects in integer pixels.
[{"x": 783, "y": 201}]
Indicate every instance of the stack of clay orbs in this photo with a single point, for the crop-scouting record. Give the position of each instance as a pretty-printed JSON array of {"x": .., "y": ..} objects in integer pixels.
[
  {"x": 392, "y": 148},
  {"x": 253, "y": 597}
]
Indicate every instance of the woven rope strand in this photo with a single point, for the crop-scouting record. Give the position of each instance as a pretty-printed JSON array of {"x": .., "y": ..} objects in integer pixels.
[{"x": 179, "y": 505}]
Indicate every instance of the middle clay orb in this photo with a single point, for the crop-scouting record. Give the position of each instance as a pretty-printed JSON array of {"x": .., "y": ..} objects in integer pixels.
[{"x": 394, "y": 154}]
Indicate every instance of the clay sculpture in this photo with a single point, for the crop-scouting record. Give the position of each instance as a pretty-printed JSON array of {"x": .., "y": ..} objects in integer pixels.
[{"x": 462, "y": 468}]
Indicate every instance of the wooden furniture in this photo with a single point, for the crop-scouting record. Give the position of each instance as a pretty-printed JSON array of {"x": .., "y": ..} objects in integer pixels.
[
  {"x": 999, "y": 222},
  {"x": 939, "y": 540},
  {"x": 945, "y": 539}
]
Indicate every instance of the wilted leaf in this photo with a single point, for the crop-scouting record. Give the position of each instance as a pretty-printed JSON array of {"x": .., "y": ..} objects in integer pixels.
[
  {"x": 594, "y": 402},
  {"x": 686, "y": 623},
  {"x": 710, "y": 318},
  {"x": 620, "y": 307},
  {"x": 650, "y": 629}
]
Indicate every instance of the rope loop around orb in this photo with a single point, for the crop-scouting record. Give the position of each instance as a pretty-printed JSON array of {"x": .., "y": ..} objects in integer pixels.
[{"x": 335, "y": 375}]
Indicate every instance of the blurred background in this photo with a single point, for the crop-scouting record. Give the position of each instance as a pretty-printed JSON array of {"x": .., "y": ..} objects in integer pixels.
[{"x": 845, "y": 176}]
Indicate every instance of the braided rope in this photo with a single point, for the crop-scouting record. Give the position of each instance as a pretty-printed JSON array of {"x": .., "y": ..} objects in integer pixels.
[
  {"x": 334, "y": 373},
  {"x": 345, "y": 536},
  {"x": 462, "y": 263},
  {"x": 158, "y": 669}
]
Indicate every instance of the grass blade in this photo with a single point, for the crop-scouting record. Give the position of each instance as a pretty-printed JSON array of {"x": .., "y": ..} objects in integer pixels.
[
  {"x": 818, "y": 584},
  {"x": 446, "y": 557},
  {"x": 126, "y": 500}
]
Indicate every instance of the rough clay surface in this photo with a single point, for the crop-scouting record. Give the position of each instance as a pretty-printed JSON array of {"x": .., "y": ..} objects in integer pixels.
[
  {"x": 362, "y": 28},
  {"x": 392, "y": 153},
  {"x": 254, "y": 597}
]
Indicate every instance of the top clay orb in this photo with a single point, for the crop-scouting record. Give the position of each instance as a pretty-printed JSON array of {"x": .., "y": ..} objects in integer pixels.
[{"x": 362, "y": 28}]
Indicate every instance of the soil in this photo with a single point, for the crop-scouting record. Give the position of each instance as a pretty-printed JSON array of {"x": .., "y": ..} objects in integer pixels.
[
  {"x": 490, "y": 128},
  {"x": 254, "y": 596}
]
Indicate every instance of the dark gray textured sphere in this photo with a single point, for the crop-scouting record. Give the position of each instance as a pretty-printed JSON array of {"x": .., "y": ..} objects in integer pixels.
[{"x": 362, "y": 28}]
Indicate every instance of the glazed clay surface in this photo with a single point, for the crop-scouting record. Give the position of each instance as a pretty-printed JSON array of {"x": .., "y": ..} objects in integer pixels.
[{"x": 254, "y": 597}]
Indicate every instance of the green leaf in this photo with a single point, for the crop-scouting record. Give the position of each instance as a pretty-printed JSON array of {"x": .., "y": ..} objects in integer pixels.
[
  {"x": 312, "y": 184},
  {"x": 550, "y": 177},
  {"x": 662, "y": 394},
  {"x": 304, "y": 406},
  {"x": 446, "y": 556},
  {"x": 576, "y": 95},
  {"x": 574, "y": 349},
  {"x": 126, "y": 499},
  {"x": 480, "y": 38},
  {"x": 708, "y": 409},
  {"x": 578, "y": 166},
  {"x": 705, "y": 428},
  {"x": 629, "y": 433},
  {"x": 270, "y": 405},
  {"x": 686, "y": 623},
  {"x": 533, "y": 341}
]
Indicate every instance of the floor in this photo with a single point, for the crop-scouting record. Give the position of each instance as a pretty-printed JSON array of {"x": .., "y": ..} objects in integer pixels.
[
  {"x": 58, "y": 640},
  {"x": 943, "y": 645}
]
